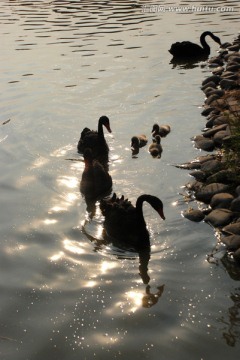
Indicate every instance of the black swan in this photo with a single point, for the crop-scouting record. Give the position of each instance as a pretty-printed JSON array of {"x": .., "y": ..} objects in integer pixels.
[
  {"x": 95, "y": 180},
  {"x": 155, "y": 148},
  {"x": 95, "y": 139},
  {"x": 187, "y": 49},
  {"x": 137, "y": 142},
  {"x": 162, "y": 130},
  {"x": 125, "y": 223}
]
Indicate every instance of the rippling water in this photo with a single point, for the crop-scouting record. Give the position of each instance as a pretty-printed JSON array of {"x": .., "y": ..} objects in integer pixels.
[{"x": 65, "y": 294}]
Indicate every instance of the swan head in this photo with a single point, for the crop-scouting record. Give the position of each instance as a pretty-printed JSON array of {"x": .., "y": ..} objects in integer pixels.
[
  {"x": 134, "y": 143},
  {"x": 216, "y": 39},
  {"x": 104, "y": 120},
  {"x": 155, "y": 128}
]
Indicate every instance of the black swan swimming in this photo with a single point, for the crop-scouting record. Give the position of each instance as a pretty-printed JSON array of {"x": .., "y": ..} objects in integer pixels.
[
  {"x": 125, "y": 223},
  {"x": 162, "y": 130},
  {"x": 155, "y": 148},
  {"x": 137, "y": 142},
  {"x": 95, "y": 180},
  {"x": 95, "y": 140},
  {"x": 187, "y": 49}
]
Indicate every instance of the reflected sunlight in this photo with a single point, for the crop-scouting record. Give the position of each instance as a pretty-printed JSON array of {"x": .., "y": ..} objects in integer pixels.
[
  {"x": 57, "y": 208},
  {"x": 57, "y": 257},
  {"x": 50, "y": 221},
  {"x": 73, "y": 246},
  {"x": 25, "y": 180},
  {"x": 90, "y": 283},
  {"x": 69, "y": 181},
  {"x": 136, "y": 299},
  {"x": 39, "y": 162},
  {"x": 106, "y": 265},
  {"x": 62, "y": 151}
]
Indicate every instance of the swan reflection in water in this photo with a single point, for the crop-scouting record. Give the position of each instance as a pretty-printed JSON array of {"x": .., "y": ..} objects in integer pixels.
[{"x": 102, "y": 242}]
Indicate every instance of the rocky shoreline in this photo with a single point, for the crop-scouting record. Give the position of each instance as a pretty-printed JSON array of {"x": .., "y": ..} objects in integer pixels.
[{"x": 216, "y": 184}]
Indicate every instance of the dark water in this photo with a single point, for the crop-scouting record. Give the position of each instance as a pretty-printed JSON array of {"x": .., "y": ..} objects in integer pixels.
[{"x": 64, "y": 293}]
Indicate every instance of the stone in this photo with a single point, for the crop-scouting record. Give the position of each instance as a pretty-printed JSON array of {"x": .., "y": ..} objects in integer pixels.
[
  {"x": 232, "y": 242},
  {"x": 228, "y": 84},
  {"x": 204, "y": 143},
  {"x": 194, "y": 215},
  {"x": 232, "y": 228},
  {"x": 214, "y": 130},
  {"x": 235, "y": 205},
  {"x": 219, "y": 217},
  {"x": 207, "y": 110},
  {"x": 225, "y": 176},
  {"x": 199, "y": 175},
  {"x": 236, "y": 255},
  {"x": 221, "y": 200},
  {"x": 206, "y": 192},
  {"x": 213, "y": 78},
  {"x": 211, "y": 166},
  {"x": 218, "y": 138}
]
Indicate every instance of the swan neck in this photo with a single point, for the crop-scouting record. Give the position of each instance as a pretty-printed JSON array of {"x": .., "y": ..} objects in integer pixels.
[
  {"x": 139, "y": 209},
  {"x": 100, "y": 129},
  {"x": 203, "y": 40}
]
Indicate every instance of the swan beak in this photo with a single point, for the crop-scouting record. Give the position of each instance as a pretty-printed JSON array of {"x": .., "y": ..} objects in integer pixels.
[
  {"x": 108, "y": 128},
  {"x": 160, "y": 211}
]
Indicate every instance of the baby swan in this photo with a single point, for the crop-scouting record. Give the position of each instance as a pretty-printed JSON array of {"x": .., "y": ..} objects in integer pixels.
[
  {"x": 124, "y": 223},
  {"x": 137, "y": 142},
  {"x": 95, "y": 181},
  {"x": 162, "y": 130},
  {"x": 155, "y": 148}
]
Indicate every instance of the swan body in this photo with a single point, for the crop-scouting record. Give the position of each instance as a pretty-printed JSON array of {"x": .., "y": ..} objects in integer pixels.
[
  {"x": 155, "y": 148},
  {"x": 137, "y": 142},
  {"x": 125, "y": 222},
  {"x": 95, "y": 139},
  {"x": 187, "y": 49},
  {"x": 95, "y": 180},
  {"x": 162, "y": 130}
]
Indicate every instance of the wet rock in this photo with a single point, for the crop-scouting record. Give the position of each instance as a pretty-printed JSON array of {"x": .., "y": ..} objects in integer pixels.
[
  {"x": 235, "y": 205},
  {"x": 194, "y": 185},
  {"x": 219, "y": 137},
  {"x": 208, "y": 90},
  {"x": 204, "y": 143},
  {"x": 199, "y": 175},
  {"x": 232, "y": 228},
  {"x": 218, "y": 70},
  {"x": 209, "y": 84},
  {"x": 228, "y": 84},
  {"x": 232, "y": 242},
  {"x": 221, "y": 200},
  {"x": 219, "y": 217},
  {"x": 214, "y": 130},
  {"x": 206, "y": 192},
  {"x": 234, "y": 47},
  {"x": 221, "y": 119},
  {"x": 225, "y": 176},
  {"x": 211, "y": 166},
  {"x": 213, "y": 78},
  {"x": 218, "y": 92},
  {"x": 233, "y": 67},
  {"x": 189, "y": 166},
  {"x": 211, "y": 98},
  {"x": 207, "y": 110},
  {"x": 236, "y": 256},
  {"x": 194, "y": 215}
]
